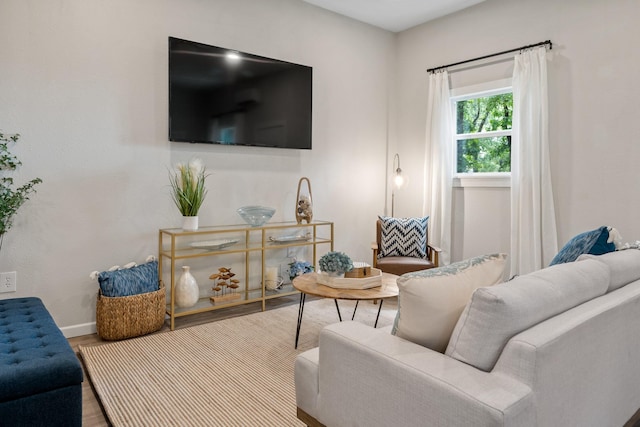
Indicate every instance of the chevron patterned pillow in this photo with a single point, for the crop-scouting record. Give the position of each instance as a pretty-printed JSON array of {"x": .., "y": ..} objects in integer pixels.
[{"x": 403, "y": 237}]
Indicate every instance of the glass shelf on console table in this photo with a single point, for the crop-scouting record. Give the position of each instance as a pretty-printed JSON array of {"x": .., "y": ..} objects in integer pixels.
[{"x": 244, "y": 250}]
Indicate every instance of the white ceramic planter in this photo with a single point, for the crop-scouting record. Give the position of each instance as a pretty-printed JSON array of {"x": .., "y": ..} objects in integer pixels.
[{"x": 189, "y": 223}]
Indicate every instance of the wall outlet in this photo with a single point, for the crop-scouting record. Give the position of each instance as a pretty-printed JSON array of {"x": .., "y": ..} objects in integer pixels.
[{"x": 8, "y": 281}]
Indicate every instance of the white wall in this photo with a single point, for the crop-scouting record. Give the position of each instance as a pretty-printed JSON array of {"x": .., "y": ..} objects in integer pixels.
[
  {"x": 593, "y": 90},
  {"x": 85, "y": 83}
]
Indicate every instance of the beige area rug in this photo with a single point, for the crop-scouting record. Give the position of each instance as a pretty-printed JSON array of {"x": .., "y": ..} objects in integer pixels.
[{"x": 233, "y": 372}]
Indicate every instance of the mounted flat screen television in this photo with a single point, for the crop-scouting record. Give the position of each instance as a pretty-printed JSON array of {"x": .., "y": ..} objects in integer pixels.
[{"x": 222, "y": 96}]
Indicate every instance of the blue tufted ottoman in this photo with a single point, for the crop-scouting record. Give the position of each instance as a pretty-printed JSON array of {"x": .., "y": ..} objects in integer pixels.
[{"x": 40, "y": 375}]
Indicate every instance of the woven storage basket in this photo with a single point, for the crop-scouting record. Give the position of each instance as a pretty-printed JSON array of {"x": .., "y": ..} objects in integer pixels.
[{"x": 126, "y": 317}]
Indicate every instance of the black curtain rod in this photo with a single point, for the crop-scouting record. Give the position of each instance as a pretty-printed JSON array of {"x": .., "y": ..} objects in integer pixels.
[{"x": 547, "y": 42}]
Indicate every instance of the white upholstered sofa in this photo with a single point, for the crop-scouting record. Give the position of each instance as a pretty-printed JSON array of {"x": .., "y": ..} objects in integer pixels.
[{"x": 558, "y": 347}]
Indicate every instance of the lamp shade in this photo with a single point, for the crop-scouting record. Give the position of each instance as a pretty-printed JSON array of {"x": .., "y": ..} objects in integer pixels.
[{"x": 398, "y": 180}]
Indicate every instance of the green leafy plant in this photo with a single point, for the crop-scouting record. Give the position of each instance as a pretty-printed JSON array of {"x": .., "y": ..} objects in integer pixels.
[
  {"x": 187, "y": 185},
  {"x": 335, "y": 262},
  {"x": 11, "y": 197}
]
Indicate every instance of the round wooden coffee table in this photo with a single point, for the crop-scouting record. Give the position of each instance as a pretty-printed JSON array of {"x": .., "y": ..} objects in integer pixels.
[{"x": 308, "y": 284}]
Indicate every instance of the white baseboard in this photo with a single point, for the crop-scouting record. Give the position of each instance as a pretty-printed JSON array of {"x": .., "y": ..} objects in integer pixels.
[{"x": 79, "y": 330}]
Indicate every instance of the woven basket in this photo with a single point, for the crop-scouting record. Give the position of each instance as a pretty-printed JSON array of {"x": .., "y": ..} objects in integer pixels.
[{"x": 126, "y": 317}]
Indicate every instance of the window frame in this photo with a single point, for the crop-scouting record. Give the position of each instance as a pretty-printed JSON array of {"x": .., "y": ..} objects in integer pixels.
[{"x": 478, "y": 179}]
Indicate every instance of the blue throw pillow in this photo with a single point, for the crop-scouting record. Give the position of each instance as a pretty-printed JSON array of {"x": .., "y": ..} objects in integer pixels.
[
  {"x": 592, "y": 242},
  {"x": 403, "y": 237},
  {"x": 129, "y": 281}
]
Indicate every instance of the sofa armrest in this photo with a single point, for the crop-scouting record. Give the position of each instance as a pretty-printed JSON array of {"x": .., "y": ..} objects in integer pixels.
[
  {"x": 369, "y": 377},
  {"x": 306, "y": 381}
]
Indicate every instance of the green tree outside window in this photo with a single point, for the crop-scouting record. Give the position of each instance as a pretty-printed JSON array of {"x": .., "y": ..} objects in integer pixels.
[{"x": 483, "y": 128}]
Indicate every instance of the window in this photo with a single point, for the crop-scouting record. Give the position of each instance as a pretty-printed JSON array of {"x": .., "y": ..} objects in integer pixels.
[{"x": 483, "y": 130}]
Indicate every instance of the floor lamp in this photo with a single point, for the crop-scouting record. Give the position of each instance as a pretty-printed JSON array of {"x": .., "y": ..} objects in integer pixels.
[{"x": 398, "y": 181}]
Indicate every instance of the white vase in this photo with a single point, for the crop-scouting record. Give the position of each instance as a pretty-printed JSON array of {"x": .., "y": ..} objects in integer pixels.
[
  {"x": 190, "y": 223},
  {"x": 187, "y": 292}
]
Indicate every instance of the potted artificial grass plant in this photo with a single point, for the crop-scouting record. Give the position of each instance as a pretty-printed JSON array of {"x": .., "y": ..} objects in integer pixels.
[{"x": 188, "y": 191}]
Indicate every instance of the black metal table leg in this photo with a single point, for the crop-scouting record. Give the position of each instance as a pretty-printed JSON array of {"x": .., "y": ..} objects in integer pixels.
[
  {"x": 338, "y": 308},
  {"x": 354, "y": 310},
  {"x": 378, "y": 316},
  {"x": 300, "y": 310}
]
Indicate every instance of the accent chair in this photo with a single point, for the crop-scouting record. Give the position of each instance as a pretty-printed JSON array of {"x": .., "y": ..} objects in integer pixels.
[{"x": 400, "y": 265}]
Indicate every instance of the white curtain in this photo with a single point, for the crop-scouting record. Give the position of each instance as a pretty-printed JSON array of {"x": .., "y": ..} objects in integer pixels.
[
  {"x": 533, "y": 226},
  {"x": 438, "y": 164}
]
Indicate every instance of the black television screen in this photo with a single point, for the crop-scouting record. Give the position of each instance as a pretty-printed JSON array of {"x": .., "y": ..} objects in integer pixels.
[{"x": 222, "y": 96}]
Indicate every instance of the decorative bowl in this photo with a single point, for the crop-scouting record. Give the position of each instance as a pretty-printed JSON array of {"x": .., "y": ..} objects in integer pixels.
[{"x": 256, "y": 216}]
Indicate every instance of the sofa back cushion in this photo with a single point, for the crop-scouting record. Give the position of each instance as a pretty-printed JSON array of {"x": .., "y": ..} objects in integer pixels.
[
  {"x": 431, "y": 301},
  {"x": 624, "y": 266},
  {"x": 495, "y": 314}
]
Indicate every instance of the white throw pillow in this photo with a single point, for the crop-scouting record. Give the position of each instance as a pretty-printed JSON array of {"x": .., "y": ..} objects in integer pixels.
[
  {"x": 495, "y": 314},
  {"x": 431, "y": 301}
]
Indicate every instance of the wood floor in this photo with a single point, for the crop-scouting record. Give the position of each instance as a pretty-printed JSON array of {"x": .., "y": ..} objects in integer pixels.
[{"x": 92, "y": 412}]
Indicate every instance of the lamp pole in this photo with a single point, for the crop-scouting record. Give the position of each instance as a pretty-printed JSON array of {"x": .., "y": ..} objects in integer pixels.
[{"x": 398, "y": 181}]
